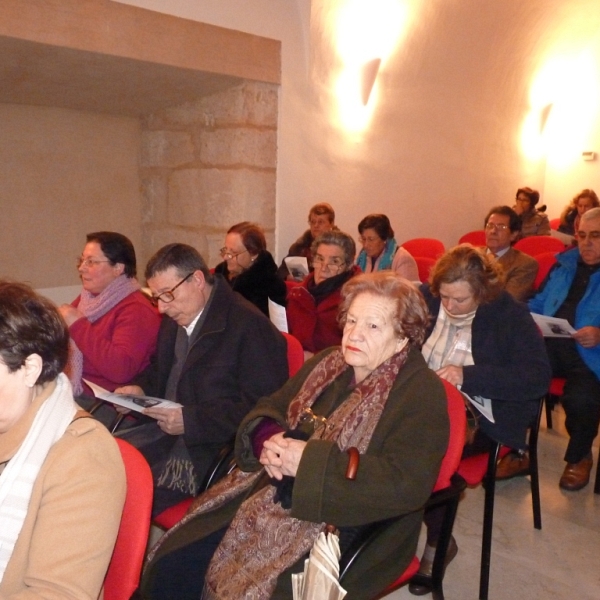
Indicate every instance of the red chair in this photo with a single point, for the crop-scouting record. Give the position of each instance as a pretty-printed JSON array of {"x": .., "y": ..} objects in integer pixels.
[
  {"x": 295, "y": 353},
  {"x": 482, "y": 469},
  {"x": 546, "y": 261},
  {"x": 446, "y": 492},
  {"x": 475, "y": 238},
  {"x": 424, "y": 265},
  {"x": 554, "y": 224},
  {"x": 424, "y": 247},
  {"x": 537, "y": 244},
  {"x": 125, "y": 567}
]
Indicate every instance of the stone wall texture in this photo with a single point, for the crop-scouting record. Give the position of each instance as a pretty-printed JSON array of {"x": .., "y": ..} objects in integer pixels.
[{"x": 208, "y": 164}]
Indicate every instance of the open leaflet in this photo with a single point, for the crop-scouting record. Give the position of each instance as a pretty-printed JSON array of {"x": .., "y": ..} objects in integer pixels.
[{"x": 130, "y": 401}]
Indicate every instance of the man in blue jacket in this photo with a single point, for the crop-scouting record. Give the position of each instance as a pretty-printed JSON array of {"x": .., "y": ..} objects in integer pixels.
[{"x": 572, "y": 292}]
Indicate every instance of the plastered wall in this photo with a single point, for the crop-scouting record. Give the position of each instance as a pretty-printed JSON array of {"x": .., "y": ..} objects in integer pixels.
[
  {"x": 444, "y": 142},
  {"x": 63, "y": 174}
]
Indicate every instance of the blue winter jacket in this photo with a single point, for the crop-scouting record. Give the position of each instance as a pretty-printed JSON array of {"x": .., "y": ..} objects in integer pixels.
[{"x": 554, "y": 293}]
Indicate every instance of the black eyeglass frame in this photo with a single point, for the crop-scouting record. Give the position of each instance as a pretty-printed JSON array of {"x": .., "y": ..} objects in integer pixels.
[{"x": 168, "y": 296}]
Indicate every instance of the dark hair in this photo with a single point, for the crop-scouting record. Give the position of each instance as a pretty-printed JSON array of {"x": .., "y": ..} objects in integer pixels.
[
  {"x": 181, "y": 256},
  {"x": 380, "y": 223},
  {"x": 533, "y": 195},
  {"x": 337, "y": 238},
  {"x": 411, "y": 316},
  {"x": 253, "y": 236},
  {"x": 30, "y": 324},
  {"x": 514, "y": 223},
  {"x": 466, "y": 263},
  {"x": 117, "y": 248},
  {"x": 322, "y": 209}
]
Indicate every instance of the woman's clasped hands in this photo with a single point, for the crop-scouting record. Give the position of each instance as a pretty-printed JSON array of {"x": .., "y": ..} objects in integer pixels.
[{"x": 281, "y": 456}]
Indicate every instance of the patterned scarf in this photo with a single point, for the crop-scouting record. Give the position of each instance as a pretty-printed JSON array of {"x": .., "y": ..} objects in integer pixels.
[
  {"x": 386, "y": 258},
  {"x": 450, "y": 341},
  {"x": 18, "y": 478},
  {"x": 94, "y": 307},
  {"x": 263, "y": 539}
]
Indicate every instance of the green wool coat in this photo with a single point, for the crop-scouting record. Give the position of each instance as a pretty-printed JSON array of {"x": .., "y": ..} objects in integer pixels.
[{"x": 395, "y": 476}]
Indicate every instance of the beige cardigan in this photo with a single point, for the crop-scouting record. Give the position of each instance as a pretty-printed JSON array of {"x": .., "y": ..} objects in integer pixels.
[{"x": 71, "y": 525}]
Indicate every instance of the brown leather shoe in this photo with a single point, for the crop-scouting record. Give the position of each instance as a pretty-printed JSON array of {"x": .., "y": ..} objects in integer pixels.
[
  {"x": 512, "y": 465},
  {"x": 576, "y": 475}
]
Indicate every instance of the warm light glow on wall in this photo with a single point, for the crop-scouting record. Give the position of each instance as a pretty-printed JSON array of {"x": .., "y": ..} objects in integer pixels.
[
  {"x": 365, "y": 31},
  {"x": 564, "y": 105}
]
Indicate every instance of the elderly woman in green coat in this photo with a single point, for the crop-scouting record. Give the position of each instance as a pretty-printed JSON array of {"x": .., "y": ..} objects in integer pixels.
[{"x": 246, "y": 535}]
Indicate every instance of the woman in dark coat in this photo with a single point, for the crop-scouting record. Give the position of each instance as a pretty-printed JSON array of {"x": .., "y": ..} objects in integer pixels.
[
  {"x": 249, "y": 267},
  {"x": 486, "y": 343},
  {"x": 374, "y": 393}
]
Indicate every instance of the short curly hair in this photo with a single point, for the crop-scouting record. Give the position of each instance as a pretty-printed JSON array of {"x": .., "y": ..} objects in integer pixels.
[
  {"x": 411, "y": 316},
  {"x": 335, "y": 237},
  {"x": 31, "y": 324},
  {"x": 466, "y": 263}
]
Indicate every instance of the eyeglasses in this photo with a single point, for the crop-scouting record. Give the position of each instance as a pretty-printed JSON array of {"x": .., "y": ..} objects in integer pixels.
[
  {"x": 227, "y": 255},
  {"x": 334, "y": 263},
  {"x": 88, "y": 263},
  {"x": 168, "y": 296},
  {"x": 592, "y": 235},
  {"x": 496, "y": 227}
]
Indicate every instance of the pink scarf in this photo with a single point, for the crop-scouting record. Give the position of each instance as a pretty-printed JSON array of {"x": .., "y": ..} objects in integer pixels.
[{"x": 94, "y": 307}]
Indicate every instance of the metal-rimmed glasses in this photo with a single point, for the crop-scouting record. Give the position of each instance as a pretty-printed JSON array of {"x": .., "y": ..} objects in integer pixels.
[
  {"x": 227, "y": 255},
  {"x": 168, "y": 296},
  {"x": 335, "y": 263},
  {"x": 90, "y": 262},
  {"x": 318, "y": 423},
  {"x": 496, "y": 226}
]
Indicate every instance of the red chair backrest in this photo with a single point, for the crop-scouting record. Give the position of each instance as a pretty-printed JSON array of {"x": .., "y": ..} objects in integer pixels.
[
  {"x": 554, "y": 224},
  {"x": 476, "y": 238},
  {"x": 538, "y": 244},
  {"x": 295, "y": 353},
  {"x": 125, "y": 566},
  {"x": 424, "y": 247},
  {"x": 456, "y": 442},
  {"x": 424, "y": 264},
  {"x": 545, "y": 261}
]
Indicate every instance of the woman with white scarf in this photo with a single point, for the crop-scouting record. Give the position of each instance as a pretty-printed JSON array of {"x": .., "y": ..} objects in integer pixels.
[
  {"x": 113, "y": 326},
  {"x": 485, "y": 343},
  {"x": 62, "y": 480}
]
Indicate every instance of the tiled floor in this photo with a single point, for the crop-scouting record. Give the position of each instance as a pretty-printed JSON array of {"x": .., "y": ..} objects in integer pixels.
[{"x": 560, "y": 562}]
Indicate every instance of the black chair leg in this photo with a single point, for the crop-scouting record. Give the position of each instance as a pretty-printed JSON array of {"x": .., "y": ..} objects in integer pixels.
[
  {"x": 597, "y": 484},
  {"x": 549, "y": 402},
  {"x": 533, "y": 468},
  {"x": 488, "y": 522}
]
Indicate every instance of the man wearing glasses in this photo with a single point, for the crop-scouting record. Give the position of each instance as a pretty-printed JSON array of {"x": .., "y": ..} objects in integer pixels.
[
  {"x": 216, "y": 355},
  {"x": 502, "y": 228},
  {"x": 572, "y": 292}
]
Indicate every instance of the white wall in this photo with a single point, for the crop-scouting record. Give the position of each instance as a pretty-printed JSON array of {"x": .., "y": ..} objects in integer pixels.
[{"x": 444, "y": 141}]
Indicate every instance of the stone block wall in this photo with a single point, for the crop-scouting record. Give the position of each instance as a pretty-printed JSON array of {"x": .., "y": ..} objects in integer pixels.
[{"x": 208, "y": 164}]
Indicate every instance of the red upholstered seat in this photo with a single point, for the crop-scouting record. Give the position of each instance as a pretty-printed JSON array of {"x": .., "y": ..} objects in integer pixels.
[
  {"x": 424, "y": 247},
  {"x": 475, "y": 238},
  {"x": 125, "y": 567},
  {"x": 538, "y": 244}
]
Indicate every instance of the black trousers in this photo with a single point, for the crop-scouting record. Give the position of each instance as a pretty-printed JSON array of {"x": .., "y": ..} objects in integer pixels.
[
  {"x": 580, "y": 399},
  {"x": 180, "y": 575}
]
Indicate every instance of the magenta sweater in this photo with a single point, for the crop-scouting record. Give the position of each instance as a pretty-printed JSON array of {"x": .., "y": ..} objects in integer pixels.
[{"x": 119, "y": 344}]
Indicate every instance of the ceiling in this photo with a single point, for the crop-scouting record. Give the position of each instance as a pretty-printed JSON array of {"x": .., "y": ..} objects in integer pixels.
[{"x": 45, "y": 75}]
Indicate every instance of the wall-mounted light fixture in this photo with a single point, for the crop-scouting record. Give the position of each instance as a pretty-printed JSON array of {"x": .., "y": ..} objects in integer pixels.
[{"x": 368, "y": 76}]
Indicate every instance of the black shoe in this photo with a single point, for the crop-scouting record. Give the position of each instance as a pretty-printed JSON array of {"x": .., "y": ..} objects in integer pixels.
[{"x": 426, "y": 567}]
